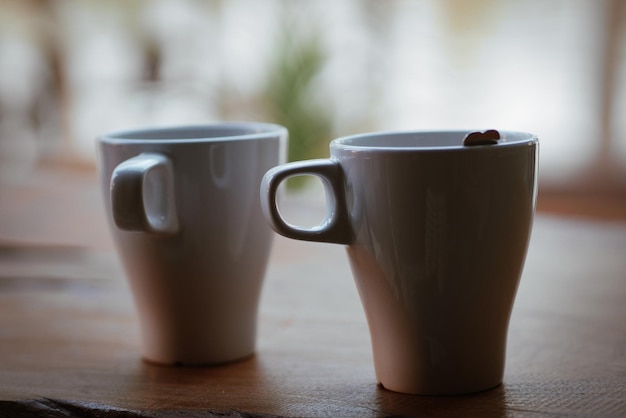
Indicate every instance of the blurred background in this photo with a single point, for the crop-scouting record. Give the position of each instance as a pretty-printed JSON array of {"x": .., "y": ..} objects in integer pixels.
[{"x": 70, "y": 70}]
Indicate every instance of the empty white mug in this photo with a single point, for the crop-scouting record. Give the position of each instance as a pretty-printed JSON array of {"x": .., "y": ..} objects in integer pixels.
[
  {"x": 184, "y": 212},
  {"x": 436, "y": 234}
]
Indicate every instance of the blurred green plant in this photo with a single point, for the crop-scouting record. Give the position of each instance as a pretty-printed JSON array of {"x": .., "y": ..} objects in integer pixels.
[{"x": 290, "y": 95}]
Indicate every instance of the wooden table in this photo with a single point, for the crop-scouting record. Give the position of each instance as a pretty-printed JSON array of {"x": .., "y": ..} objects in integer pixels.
[{"x": 69, "y": 336}]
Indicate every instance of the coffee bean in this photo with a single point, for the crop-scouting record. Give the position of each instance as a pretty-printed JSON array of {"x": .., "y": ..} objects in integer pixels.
[{"x": 488, "y": 137}]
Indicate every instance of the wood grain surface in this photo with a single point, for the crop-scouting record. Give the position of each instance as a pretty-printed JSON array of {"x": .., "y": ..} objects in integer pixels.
[{"x": 69, "y": 336}]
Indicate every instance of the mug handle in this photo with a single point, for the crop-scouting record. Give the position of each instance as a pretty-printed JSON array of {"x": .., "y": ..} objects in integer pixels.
[
  {"x": 142, "y": 195},
  {"x": 335, "y": 228}
]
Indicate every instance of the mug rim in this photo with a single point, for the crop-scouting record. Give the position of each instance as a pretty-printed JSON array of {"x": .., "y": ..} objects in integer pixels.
[
  {"x": 510, "y": 138},
  {"x": 192, "y": 133}
]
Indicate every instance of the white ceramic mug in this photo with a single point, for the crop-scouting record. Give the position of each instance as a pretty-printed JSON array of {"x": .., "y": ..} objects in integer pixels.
[
  {"x": 184, "y": 212},
  {"x": 436, "y": 236}
]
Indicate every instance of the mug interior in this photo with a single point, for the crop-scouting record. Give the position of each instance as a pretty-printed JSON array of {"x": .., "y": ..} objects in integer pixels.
[
  {"x": 199, "y": 132},
  {"x": 425, "y": 139}
]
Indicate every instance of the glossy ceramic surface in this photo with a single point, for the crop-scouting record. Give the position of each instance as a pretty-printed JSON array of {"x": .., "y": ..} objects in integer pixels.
[
  {"x": 437, "y": 236},
  {"x": 184, "y": 213}
]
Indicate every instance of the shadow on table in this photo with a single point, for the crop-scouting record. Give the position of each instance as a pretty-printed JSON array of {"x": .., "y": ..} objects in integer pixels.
[
  {"x": 490, "y": 403},
  {"x": 239, "y": 385}
]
